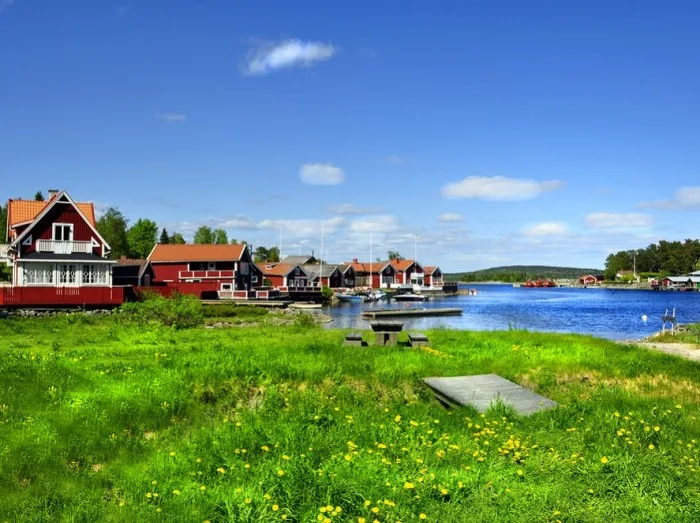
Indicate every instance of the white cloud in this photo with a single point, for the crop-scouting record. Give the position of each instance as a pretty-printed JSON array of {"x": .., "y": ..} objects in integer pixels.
[
  {"x": 303, "y": 227},
  {"x": 684, "y": 198},
  {"x": 380, "y": 224},
  {"x": 609, "y": 220},
  {"x": 545, "y": 229},
  {"x": 321, "y": 174},
  {"x": 498, "y": 188},
  {"x": 4, "y": 4},
  {"x": 349, "y": 208},
  {"x": 289, "y": 53},
  {"x": 395, "y": 159},
  {"x": 451, "y": 217},
  {"x": 172, "y": 117}
]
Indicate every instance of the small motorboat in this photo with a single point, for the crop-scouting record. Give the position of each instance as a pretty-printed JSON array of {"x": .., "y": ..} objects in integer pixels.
[
  {"x": 410, "y": 297},
  {"x": 376, "y": 296},
  {"x": 305, "y": 305},
  {"x": 350, "y": 297}
]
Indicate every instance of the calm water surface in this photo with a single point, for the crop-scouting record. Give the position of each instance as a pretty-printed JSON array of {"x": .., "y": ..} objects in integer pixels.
[{"x": 613, "y": 314}]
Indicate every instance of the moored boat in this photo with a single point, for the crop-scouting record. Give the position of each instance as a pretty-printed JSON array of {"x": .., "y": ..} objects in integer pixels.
[
  {"x": 410, "y": 297},
  {"x": 350, "y": 297}
]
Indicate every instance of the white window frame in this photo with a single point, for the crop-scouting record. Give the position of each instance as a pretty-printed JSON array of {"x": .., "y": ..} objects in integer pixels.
[
  {"x": 226, "y": 286},
  {"x": 211, "y": 266},
  {"x": 254, "y": 278},
  {"x": 62, "y": 225}
]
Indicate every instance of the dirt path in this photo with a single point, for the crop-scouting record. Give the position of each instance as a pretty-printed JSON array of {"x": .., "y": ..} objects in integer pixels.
[{"x": 684, "y": 350}]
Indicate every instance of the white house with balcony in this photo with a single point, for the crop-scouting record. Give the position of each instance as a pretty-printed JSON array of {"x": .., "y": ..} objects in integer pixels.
[{"x": 55, "y": 243}]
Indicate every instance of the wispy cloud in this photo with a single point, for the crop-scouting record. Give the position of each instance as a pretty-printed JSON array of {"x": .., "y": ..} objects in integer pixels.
[
  {"x": 321, "y": 174},
  {"x": 545, "y": 229},
  {"x": 5, "y": 4},
  {"x": 172, "y": 117},
  {"x": 498, "y": 188},
  {"x": 451, "y": 217},
  {"x": 395, "y": 159},
  {"x": 684, "y": 198},
  {"x": 349, "y": 208},
  {"x": 379, "y": 224},
  {"x": 609, "y": 220},
  {"x": 124, "y": 10},
  {"x": 271, "y": 57}
]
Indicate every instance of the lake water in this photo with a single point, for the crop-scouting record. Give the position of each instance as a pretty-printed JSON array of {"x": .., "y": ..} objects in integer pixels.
[{"x": 608, "y": 313}]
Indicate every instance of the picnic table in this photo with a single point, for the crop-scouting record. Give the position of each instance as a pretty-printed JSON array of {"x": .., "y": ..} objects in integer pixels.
[{"x": 386, "y": 332}]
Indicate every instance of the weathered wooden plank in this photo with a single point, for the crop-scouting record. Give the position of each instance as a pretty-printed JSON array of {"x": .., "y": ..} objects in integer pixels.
[{"x": 482, "y": 390}]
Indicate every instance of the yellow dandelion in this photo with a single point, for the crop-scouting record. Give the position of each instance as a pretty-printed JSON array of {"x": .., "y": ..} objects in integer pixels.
[
  {"x": 275, "y": 508},
  {"x": 361, "y": 520},
  {"x": 158, "y": 509},
  {"x": 651, "y": 446},
  {"x": 590, "y": 491},
  {"x": 443, "y": 492},
  {"x": 375, "y": 509},
  {"x": 280, "y": 472},
  {"x": 247, "y": 501},
  {"x": 198, "y": 460},
  {"x": 149, "y": 495},
  {"x": 657, "y": 428},
  {"x": 265, "y": 448},
  {"x": 422, "y": 516},
  {"x": 285, "y": 457},
  {"x": 397, "y": 418},
  {"x": 221, "y": 470},
  {"x": 266, "y": 496},
  {"x": 172, "y": 453},
  {"x": 367, "y": 503},
  {"x": 408, "y": 485},
  {"x": 154, "y": 482},
  {"x": 176, "y": 492},
  {"x": 247, "y": 466},
  {"x": 203, "y": 488},
  {"x": 284, "y": 516},
  {"x": 556, "y": 513},
  {"x": 121, "y": 503},
  {"x": 604, "y": 460}
]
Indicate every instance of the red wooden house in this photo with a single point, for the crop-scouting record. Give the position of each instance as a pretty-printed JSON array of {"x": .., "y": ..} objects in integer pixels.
[
  {"x": 383, "y": 274},
  {"x": 408, "y": 272},
  {"x": 203, "y": 270},
  {"x": 432, "y": 276},
  {"x": 283, "y": 276},
  {"x": 58, "y": 257}
]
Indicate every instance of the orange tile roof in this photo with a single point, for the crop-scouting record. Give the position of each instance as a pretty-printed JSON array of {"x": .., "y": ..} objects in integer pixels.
[
  {"x": 401, "y": 265},
  {"x": 279, "y": 269},
  {"x": 367, "y": 266},
  {"x": 429, "y": 269},
  {"x": 194, "y": 252},
  {"x": 21, "y": 211}
]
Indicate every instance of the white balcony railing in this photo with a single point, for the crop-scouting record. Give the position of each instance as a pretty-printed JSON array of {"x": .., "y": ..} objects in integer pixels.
[{"x": 63, "y": 247}]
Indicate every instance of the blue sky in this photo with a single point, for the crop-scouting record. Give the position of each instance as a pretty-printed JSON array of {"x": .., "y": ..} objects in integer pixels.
[{"x": 501, "y": 133}]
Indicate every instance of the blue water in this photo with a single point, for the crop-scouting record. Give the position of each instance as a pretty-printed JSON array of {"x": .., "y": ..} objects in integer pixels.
[{"x": 612, "y": 314}]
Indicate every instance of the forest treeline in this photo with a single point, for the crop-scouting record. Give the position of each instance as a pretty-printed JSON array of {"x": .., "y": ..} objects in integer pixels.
[
  {"x": 520, "y": 273},
  {"x": 660, "y": 259}
]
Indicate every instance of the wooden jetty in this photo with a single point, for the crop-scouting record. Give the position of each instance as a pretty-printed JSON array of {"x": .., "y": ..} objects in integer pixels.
[
  {"x": 482, "y": 390},
  {"x": 407, "y": 312}
]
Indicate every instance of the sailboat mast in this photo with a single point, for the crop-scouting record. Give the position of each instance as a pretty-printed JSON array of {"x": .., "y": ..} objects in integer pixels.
[
  {"x": 320, "y": 276},
  {"x": 370, "y": 260}
]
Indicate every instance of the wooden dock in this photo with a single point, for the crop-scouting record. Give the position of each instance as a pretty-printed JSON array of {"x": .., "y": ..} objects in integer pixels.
[
  {"x": 482, "y": 390},
  {"x": 407, "y": 312}
]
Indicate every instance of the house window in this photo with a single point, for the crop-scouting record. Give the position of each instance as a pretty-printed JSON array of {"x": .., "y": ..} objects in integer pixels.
[
  {"x": 94, "y": 274},
  {"x": 211, "y": 266},
  {"x": 63, "y": 232},
  {"x": 226, "y": 287},
  {"x": 244, "y": 268},
  {"x": 66, "y": 273},
  {"x": 296, "y": 271},
  {"x": 38, "y": 274},
  {"x": 254, "y": 278}
]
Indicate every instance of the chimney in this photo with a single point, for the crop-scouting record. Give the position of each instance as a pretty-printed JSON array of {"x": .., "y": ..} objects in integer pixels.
[
  {"x": 52, "y": 193},
  {"x": 354, "y": 260}
]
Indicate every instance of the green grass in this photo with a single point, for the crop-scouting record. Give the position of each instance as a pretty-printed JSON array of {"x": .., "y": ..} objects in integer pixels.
[
  {"x": 102, "y": 421},
  {"x": 690, "y": 334}
]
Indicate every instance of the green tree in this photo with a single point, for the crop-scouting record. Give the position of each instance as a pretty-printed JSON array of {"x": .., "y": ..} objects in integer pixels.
[
  {"x": 142, "y": 237},
  {"x": 204, "y": 235},
  {"x": 393, "y": 255},
  {"x": 3, "y": 223},
  {"x": 177, "y": 239},
  {"x": 234, "y": 241},
  {"x": 38, "y": 196},
  {"x": 220, "y": 236},
  {"x": 263, "y": 254},
  {"x": 112, "y": 226},
  {"x": 164, "y": 238}
]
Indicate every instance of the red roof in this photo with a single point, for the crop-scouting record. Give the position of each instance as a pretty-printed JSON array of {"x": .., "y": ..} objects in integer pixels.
[
  {"x": 194, "y": 252},
  {"x": 278, "y": 269},
  {"x": 429, "y": 269},
  {"x": 367, "y": 266},
  {"x": 401, "y": 265}
]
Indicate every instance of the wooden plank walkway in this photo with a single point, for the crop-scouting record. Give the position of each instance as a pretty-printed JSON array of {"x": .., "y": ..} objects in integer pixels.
[
  {"x": 482, "y": 390},
  {"x": 384, "y": 313}
]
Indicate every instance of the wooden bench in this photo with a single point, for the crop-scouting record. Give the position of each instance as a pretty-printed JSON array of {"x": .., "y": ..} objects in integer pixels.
[
  {"x": 353, "y": 339},
  {"x": 417, "y": 340}
]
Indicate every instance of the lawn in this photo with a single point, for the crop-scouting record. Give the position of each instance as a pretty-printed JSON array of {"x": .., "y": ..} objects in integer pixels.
[{"x": 105, "y": 420}]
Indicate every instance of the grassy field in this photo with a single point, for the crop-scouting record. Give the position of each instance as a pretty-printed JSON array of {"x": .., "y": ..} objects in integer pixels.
[
  {"x": 109, "y": 421},
  {"x": 689, "y": 334}
]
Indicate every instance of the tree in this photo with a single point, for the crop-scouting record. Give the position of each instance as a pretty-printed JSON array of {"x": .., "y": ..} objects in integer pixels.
[
  {"x": 38, "y": 196},
  {"x": 142, "y": 237},
  {"x": 164, "y": 238},
  {"x": 234, "y": 241},
  {"x": 263, "y": 254},
  {"x": 393, "y": 255},
  {"x": 112, "y": 226},
  {"x": 3, "y": 223},
  {"x": 177, "y": 239},
  {"x": 204, "y": 235},
  {"x": 220, "y": 237}
]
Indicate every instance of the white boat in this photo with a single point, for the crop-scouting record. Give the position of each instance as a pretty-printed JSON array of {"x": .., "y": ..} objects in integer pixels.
[
  {"x": 410, "y": 297},
  {"x": 302, "y": 305},
  {"x": 350, "y": 297},
  {"x": 376, "y": 295}
]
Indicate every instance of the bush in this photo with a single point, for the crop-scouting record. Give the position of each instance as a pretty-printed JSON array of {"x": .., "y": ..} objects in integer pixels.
[
  {"x": 179, "y": 310},
  {"x": 231, "y": 311},
  {"x": 327, "y": 292}
]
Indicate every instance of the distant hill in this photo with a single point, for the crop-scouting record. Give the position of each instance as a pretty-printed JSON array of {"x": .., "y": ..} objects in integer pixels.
[{"x": 520, "y": 273}]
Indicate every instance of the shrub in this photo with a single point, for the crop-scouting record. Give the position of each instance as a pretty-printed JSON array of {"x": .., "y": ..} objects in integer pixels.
[
  {"x": 327, "y": 292},
  {"x": 179, "y": 310},
  {"x": 231, "y": 311}
]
